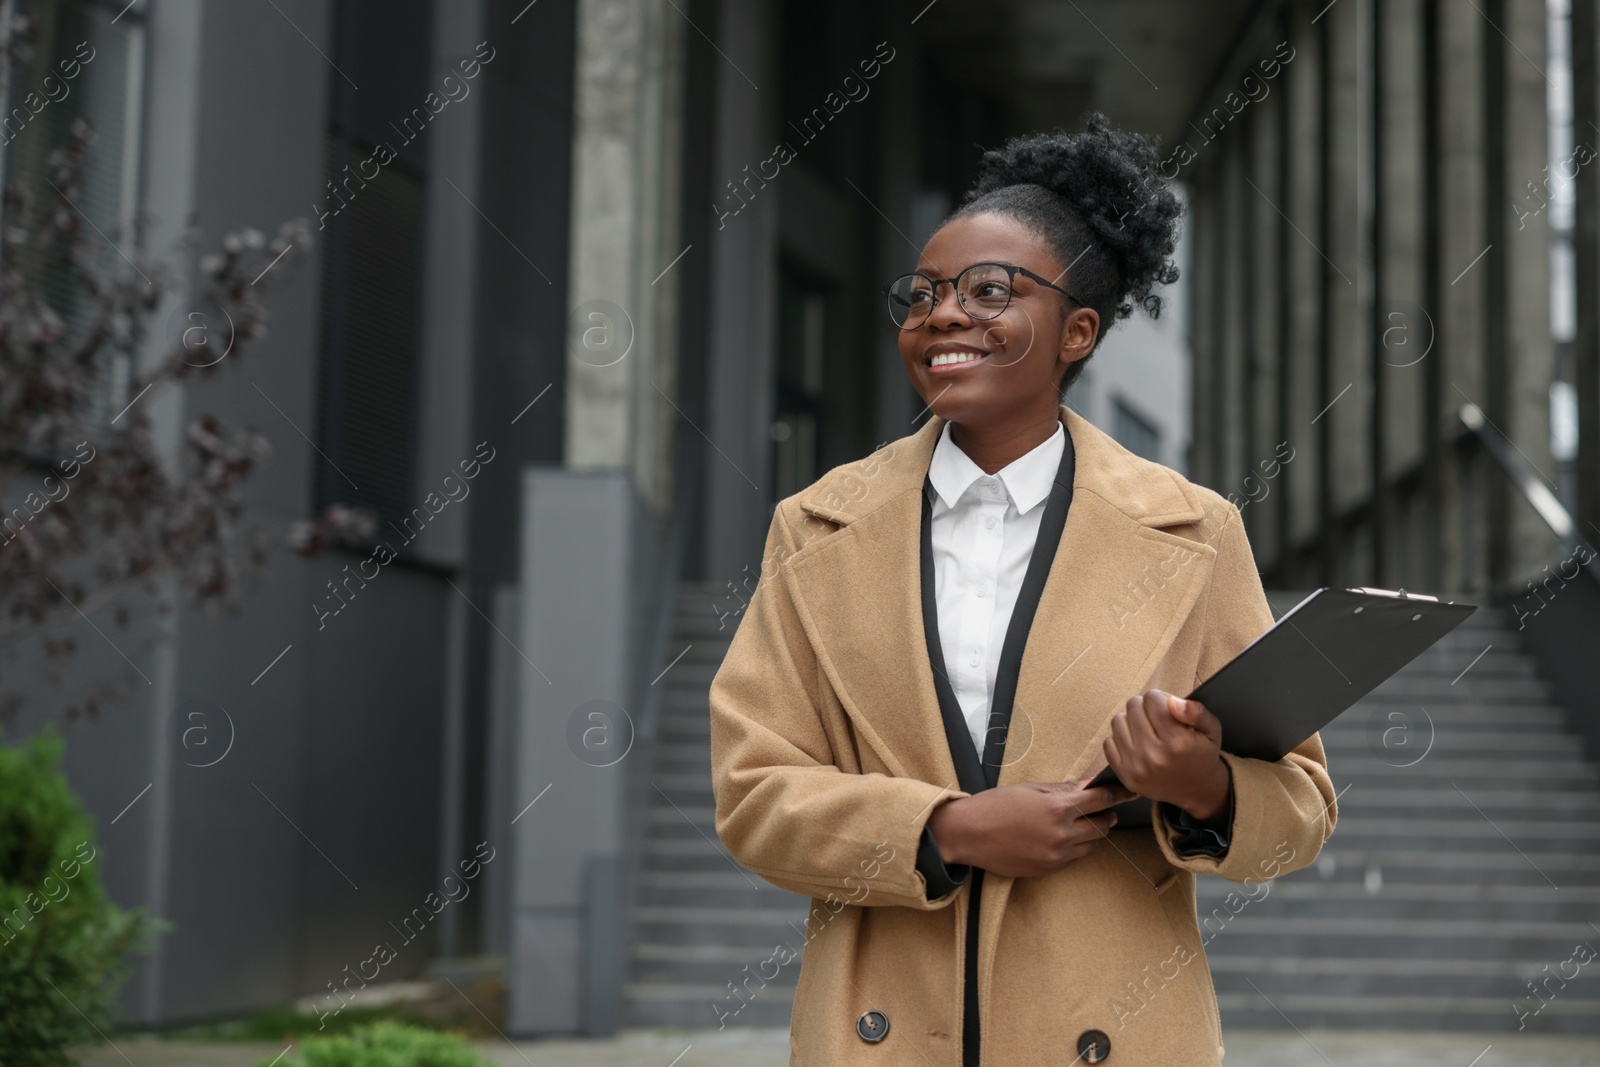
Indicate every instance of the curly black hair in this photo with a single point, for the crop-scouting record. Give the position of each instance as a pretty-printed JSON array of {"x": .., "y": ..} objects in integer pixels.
[{"x": 1099, "y": 201}]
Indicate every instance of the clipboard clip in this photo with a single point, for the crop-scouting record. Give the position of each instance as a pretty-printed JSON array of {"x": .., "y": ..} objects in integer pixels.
[{"x": 1400, "y": 594}]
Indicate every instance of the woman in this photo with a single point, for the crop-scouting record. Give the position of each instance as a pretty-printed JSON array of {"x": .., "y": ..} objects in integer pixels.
[{"x": 951, "y": 636}]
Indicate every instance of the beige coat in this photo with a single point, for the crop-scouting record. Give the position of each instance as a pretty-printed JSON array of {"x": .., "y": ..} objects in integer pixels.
[{"x": 828, "y": 753}]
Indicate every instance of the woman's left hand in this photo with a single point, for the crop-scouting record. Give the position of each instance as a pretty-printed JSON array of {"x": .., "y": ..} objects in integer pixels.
[{"x": 1170, "y": 749}]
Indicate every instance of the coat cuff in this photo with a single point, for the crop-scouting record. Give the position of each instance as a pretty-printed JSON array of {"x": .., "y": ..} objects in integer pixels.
[
  {"x": 1188, "y": 837},
  {"x": 942, "y": 878},
  {"x": 1282, "y": 812}
]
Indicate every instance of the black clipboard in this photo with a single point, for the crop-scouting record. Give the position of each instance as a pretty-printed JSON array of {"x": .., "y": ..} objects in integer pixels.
[{"x": 1313, "y": 664}]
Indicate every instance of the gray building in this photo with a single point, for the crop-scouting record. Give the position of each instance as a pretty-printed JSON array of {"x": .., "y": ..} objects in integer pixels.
[{"x": 627, "y": 271}]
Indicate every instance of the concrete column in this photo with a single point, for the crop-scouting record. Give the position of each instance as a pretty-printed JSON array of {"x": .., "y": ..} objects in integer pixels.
[
  {"x": 444, "y": 403},
  {"x": 1228, "y": 361},
  {"x": 1207, "y": 235},
  {"x": 1302, "y": 271},
  {"x": 626, "y": 162},
  {"x": 659, "y": 250},
  {"x": 574, "y": 661},
  {"x": 1586, "y": 246},
  {"x": 449, "y": 284},
  {"x": 1521, "y": 363},
  {"x": 171, "y": 116},
  {"x": 1266, "y": 344},
  {"x": 915, "y": 214},
  {"x": 587, "y": 545},
  {"x": 1343, "y": 411},
  {"x": 1282, "y": 300},
  {"x": 1402, "y": 328},
  {"x": 1458, "y": 198},
  {"x": 743, "y": 292}
]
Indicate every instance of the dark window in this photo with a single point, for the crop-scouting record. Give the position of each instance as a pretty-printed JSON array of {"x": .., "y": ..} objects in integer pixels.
[
  {"x": 802, "y": 319},
  {"x": 83, "y": 63},
  {"x": 1134, "y": 432},
  {"x": 372, "y": 255}
]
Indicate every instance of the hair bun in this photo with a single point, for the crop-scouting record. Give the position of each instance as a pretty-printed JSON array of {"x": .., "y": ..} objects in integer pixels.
[{"x": 1112, "y": 177}]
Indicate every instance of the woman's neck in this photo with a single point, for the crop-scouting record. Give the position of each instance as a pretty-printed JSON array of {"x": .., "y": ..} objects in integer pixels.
[{"x": 993, "y": 448}]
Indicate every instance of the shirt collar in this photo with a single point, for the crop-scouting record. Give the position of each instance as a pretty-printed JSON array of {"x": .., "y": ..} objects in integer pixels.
[{"x": 1027, "y": 478}]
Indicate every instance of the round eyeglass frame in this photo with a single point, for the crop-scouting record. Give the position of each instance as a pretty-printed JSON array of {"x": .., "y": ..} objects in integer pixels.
[{"x": 1011, "y": 269}]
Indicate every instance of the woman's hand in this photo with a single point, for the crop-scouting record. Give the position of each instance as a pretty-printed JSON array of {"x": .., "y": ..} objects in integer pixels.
[
  {"x": 1022, "y": 831},
  {"x": 1167, "y": 748}
]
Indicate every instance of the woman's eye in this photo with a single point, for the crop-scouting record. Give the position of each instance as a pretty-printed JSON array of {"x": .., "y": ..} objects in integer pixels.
[{"x": 991, "y": 291}]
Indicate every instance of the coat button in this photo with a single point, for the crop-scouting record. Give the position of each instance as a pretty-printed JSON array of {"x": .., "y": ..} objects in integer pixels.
[
  {"x": 1094, "y": 1046},
  {"x": 872, "y": 1026}
]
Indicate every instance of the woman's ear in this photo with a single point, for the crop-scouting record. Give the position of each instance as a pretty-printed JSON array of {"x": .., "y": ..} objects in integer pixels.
[{"x": 1078, "y": 334}]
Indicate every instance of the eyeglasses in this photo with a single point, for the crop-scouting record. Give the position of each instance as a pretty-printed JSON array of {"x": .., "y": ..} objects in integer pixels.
[{"x": 983, "y": 290}]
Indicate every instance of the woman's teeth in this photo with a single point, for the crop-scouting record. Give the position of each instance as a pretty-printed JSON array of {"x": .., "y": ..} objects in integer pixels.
[{"x": 944, "y": 359}]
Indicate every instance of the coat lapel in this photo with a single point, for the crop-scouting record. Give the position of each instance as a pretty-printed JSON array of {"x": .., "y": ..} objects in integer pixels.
[
  {"x": 859, "y": 600},
  {"x": 1114, "y": 598},
  {"x": 1112, "y": 605}
]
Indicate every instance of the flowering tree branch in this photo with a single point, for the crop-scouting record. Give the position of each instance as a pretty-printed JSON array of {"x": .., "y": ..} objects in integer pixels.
[{"x": 93, "y": 509}]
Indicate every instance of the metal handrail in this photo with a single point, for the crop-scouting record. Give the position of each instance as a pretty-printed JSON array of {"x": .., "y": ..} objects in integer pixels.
[{"x": 1533, "y": 489}]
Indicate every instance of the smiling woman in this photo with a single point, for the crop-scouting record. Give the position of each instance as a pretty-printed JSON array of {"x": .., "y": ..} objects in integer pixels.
[
  {"x": 1059, "y": 238},
  {"x": 943, "y": 662}
]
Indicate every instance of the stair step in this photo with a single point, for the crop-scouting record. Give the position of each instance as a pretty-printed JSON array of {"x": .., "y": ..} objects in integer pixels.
[
  {"x": 1466, "y": 860},
  {"x": 721, "y": 916},
  {"x": 1342, "y": 740},
  {"x": 1335, "y": 856},
  {"x": 1470, "y": 770},
  {"x": 1386, "y": 906},
  {"x": 1278, "y": 966},
  {"x": 1465, "y": 826},
  {"x": 1472, "y": 983},
  {"x": 1484, "y": 710},
  {"x": 1545, "y": 802},
  {"x": 1441, "y": 1013},
  {"x": 698, "y": 954},
  {"x": 1208, "y": 893},
  {"x": 666, "y": 1004}
]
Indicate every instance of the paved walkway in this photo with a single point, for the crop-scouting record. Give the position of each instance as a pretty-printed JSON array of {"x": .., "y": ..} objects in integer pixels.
[{"x": 770, "y": 1048}]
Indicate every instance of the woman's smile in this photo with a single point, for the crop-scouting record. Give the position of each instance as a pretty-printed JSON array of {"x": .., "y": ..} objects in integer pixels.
[{"x": 953, "y": 357}]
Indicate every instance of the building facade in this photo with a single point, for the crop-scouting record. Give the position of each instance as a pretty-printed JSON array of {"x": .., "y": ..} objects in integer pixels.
[{"x": 627, "y": 269}]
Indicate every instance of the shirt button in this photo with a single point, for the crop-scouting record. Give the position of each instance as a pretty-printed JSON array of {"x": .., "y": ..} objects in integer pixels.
[
  {"x": 989, "y": 522},
  {"x": 974, "y": 661},
  {"x": 982, "y": 589}
]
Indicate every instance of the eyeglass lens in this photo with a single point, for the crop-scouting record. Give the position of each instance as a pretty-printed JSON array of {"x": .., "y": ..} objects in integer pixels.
[{"x": 983, "y": 289}]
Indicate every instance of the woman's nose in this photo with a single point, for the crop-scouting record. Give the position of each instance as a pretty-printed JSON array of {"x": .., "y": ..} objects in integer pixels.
[{"x": 948, "y": 312}]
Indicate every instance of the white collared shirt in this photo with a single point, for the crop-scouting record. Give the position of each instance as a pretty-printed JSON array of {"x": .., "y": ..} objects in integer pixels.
[{"x": 983, "y": 530}]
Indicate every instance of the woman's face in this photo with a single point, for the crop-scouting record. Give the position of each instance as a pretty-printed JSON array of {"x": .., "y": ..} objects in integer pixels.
[{"x": 1015, "y": 359}]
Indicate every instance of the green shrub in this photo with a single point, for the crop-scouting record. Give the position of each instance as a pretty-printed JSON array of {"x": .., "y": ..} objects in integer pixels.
[
  {"x": 62, "y": 941},
  {"x": 385, "y": 1044}
]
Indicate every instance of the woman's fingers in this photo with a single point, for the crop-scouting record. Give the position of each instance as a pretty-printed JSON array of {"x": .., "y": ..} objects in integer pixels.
[
  {"x": 1122, "y": 733},
  {"x": 1156, "y": 717},
  {"x": 1133, "y": 752},
  {"x": 1204, "y": 721},
  {"x": 1101, "y": 822}
]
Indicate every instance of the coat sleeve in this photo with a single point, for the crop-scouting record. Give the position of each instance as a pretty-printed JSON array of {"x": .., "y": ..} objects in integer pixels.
[
  {"x": 1284, "y": 810},
  {"x": 784, "y": 809}
]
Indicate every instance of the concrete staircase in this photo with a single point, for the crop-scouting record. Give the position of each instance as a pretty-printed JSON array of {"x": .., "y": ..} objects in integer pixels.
[
  {"x": 1466, "y": 863},
  {"x": 700, "y": 920}
]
